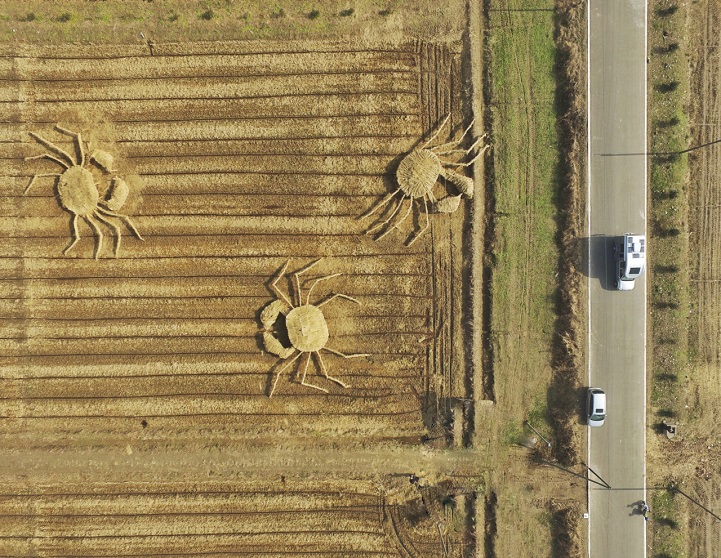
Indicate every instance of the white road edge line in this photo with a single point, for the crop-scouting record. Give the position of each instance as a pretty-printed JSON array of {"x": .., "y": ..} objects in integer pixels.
[
  {"x": 645, "y": 231},
  {"x": 588, "y": 234}
]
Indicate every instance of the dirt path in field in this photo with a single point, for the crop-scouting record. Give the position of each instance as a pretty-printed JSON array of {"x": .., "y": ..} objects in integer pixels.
[{"x": 145, "y": 462}]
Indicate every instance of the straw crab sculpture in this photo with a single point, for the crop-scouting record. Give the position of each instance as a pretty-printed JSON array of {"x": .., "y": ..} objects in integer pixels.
[
  {"x": 78, "y": 192},
  {"x": 305, "y": 326},
  {"x": 418, "y": 173}
]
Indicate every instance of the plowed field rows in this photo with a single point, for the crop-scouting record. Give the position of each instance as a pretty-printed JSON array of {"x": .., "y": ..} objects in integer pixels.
[
  {"x": 216, "y": 520},
  {"x": 238, "y": 157}
]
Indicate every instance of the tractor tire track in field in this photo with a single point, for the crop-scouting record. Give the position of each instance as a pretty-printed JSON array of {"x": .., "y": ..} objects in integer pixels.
[
  {"x": 705, "y": 256},
  {"x": 705, "y": 203},
  {"x": 525, "y": 182}
]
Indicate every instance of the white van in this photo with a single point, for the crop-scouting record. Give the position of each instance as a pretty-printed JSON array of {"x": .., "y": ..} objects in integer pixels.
[{"x": 630, "y": 254}]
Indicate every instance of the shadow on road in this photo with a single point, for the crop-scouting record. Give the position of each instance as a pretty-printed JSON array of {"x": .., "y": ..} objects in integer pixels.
[
  {"x": 636, "y": 508},
  {"x": 599, "y": 248}
]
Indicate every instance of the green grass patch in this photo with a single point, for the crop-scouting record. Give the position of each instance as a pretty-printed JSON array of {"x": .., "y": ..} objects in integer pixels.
[
  {"x": 538, "y": 416},
  {"x": 277, "y": 12},
  {"x": 514, "y": 432},
  {"x": 668, "y": 250},
  {"x": 522, "y": 88},
  {"x": 665, "y": 522},
  {"x": 668, "y": 219},
  {"x": 115, "y": 21}
]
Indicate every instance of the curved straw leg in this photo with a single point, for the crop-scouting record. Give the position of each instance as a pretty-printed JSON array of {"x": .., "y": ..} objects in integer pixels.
[
  {"x": 279, "y": 372},
  {"x": 417, "y": 235},
  {"x": 48, "y": 156},
  {"x": 305, "y": 372},
  {"x": 76, "y": 234},
  {"x": 464, "y": 151},
  {"x": 382, "y": 224},
  {"x": 325, "y": 372},
  {"x": 296, "y": 278},
  {"x": 337, "y": 295},
  {"x": 308, "y": 267},
  {"x": 98, "y": 233},
  {"x": 469, "y": 163},
  {"x": 54, "y": 148},
  {"x": 398, "y": 223},
  {"x": 307, "y": 300},
  {"x": 352, "y": 355},
  {"x": 454, "y": 142},
  {"x": 375, "y": 207},
  {"x": 33, "y": 180},
  {"x": 438, "y": 130},
  {"x": 78, "y": 141},
  {"x": 118, "y": 234},
  {"x": 276, "y": 291},
  {"x": 123, "y": 218}
]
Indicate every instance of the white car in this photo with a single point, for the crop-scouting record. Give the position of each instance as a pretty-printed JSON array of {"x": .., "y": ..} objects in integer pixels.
[{"x": 595, "y": 407}]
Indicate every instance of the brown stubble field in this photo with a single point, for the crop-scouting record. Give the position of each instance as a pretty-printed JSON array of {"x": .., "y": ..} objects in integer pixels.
[
  {"x": 217, "y": 519},
  {"x": 136, "y": 416},
  {"x": 686, "y": 388},
  {"x": 704, "y": 393},
  {"x": 227, "y": 191}
]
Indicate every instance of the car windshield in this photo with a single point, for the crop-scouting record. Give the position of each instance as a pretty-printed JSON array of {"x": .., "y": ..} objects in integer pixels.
[
  {"x": 597, "y": 416},
  {"x": 634, "y": 270}
]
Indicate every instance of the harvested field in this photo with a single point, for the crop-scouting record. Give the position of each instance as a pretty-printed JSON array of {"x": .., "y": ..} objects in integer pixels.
[
  {"x": 238, "y": 157},
  {"x": 687, "y": 330},
  {"x": 238, "y": 163},
  {"x": 705, "y": 287},
  {"x": 137, "y": 416},
  {"x": 213, "y": 519}
]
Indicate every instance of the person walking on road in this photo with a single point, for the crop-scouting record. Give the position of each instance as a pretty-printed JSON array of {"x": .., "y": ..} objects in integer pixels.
[{"x": 644, "y": 510}]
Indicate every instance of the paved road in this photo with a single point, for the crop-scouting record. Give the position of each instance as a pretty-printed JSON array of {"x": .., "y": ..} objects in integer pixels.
[{"x": 617, "y": 199}]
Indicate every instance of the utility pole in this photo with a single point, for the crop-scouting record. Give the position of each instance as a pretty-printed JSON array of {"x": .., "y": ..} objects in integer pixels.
[{"x": 548, "y": 444}]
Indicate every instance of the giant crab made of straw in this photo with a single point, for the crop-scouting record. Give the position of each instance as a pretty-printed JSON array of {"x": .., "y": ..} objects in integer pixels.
[
  {"x": 305, "y": 324},
  {"x": 417, "y": 174},
  {"x": 78, "y": 193}
]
